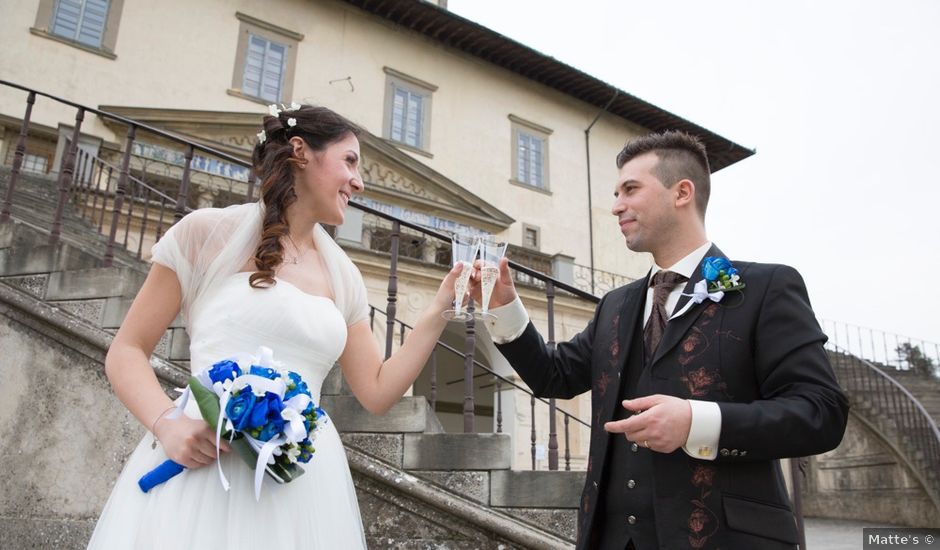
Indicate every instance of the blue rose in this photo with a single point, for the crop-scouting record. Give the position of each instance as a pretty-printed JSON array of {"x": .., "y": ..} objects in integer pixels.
[
  {"x": 266, "y": 415},
  {"x": 264, "y": 372},
  {"x": 271, "y": 429},
  {"x": 295, "y": 386},
  {"x": 239, "y": 408},
  {"x": 712, "y": 267},
  {"x": 224, "y": 370}
]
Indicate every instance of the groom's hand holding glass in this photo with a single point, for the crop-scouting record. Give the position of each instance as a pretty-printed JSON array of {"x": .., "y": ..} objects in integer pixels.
[{"x": 504, "y": 291}]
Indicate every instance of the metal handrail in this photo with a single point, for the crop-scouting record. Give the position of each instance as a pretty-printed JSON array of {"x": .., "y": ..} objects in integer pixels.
[
  {"x": 130, "y": 122},
  {"x": 881, "y": 347},
  {"x": 135, "y": 179}
]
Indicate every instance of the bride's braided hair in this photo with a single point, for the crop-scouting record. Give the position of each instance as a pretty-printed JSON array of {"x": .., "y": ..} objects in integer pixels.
[{"x": 274, "y": 163}]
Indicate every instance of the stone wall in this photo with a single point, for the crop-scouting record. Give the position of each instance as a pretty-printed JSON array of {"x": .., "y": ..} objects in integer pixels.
[{"x": 65, "y": 437}]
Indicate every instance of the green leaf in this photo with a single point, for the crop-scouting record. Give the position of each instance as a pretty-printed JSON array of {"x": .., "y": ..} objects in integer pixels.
[
  {"x": 245, "y": 451},
  {"x": 284, "y": 473},
  {"x": 207, "y": 400}
]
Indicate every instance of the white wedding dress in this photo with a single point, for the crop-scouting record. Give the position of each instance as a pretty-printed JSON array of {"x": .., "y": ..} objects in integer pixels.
[{"x": 319, "y": 509}]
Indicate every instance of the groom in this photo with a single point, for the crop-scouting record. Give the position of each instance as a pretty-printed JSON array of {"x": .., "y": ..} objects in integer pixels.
[{"x": 694, "y": 398}]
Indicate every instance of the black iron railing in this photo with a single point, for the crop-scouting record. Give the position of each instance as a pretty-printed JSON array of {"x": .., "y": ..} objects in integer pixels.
[{"x": 886, "y": 350}]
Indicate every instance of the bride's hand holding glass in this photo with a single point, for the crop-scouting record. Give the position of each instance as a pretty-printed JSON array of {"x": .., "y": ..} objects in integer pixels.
[
  {"x": 464, "y": 249},
  {"x": 445, "y": 298}
]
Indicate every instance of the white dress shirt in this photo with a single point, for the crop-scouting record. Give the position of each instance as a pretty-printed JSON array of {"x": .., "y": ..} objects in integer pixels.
[{"x": 705, "y": 431}]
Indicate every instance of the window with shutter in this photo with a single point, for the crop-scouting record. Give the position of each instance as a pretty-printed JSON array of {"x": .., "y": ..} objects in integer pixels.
[
  {"x": 264, "y": 68},
  {"x": 265, "y": 61},
  {"x": 407, "y": 117},
  {"x": 83, "y": 21},
  {"x": 408, "y": 111},
  {"x": 529, "y": 153}
]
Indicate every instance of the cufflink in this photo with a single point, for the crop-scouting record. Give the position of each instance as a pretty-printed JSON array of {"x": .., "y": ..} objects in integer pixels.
[{"x": 704, "y": 451}]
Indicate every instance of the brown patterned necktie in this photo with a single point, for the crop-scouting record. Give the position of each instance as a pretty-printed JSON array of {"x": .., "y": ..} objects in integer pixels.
[{"x": 663, "y": 282}]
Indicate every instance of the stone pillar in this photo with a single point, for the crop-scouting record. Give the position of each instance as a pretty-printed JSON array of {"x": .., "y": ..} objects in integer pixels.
[
  {"x": 367, "y": 238},
  {"x": 429, "y": 252},
  {"x": 350, "y": 233},
  {"x": 563, "y": 268},
  {"x": 205, "y": 197}
]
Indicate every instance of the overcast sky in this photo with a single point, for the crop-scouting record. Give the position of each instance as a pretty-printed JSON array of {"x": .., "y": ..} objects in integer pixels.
[{"x": 841, "y": 100}]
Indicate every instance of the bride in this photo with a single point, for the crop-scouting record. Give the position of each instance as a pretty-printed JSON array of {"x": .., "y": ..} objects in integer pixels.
[{"x": 258, "y": 274}]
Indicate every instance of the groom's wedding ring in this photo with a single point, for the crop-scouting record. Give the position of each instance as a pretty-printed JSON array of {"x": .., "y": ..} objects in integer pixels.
[{"x": 646, "y": 444}]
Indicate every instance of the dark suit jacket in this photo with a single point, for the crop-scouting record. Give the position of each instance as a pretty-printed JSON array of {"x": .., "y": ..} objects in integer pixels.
[{"x": 758, "y": 353}]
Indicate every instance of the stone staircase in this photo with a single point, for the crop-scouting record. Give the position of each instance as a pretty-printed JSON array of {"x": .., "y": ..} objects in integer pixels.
[
  {"x": 875, "y": 405},
  {"x": 34, "y": 206},
  {"x": 418, "y": 486}
]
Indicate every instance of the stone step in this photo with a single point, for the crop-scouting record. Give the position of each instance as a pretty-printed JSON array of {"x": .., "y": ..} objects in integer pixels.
[
  {"x": 409, "y": 415},
  {"x": 75, "y": 231},
  {"x": 116, "y": 308},
  {"x": 386, "y": 447},
  {"x": 538, "y": 489},
  {"x": 44, "y": 259},
  {"x": 95, "y": 282},
  {"x": 471, "y": 451},
  {"x": 15, "y": 234}
]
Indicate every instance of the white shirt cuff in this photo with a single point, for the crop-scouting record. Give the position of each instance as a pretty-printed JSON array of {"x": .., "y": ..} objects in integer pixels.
[
  {"x": 705, "y": 430},
  {"x": 509, "y": 322}
]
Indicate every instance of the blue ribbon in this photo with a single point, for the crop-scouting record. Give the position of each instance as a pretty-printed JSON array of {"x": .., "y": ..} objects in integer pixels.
[{"x": 160, "y": 474}]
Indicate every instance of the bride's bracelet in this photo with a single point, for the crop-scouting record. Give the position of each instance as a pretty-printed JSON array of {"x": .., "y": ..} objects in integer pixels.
[{"x": 153, "y": 427}]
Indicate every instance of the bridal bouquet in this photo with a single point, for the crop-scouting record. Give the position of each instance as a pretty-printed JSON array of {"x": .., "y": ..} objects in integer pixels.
[{"x": 267, "y": 414}]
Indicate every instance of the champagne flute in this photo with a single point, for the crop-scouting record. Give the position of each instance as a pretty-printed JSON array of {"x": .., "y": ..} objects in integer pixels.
[
  {"x": 464, "y": 251},
  {"x": 491, "y": 252}
]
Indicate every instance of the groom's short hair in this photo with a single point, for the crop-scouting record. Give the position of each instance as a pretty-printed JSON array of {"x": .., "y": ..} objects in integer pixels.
[{"x": 681, "y": 156}]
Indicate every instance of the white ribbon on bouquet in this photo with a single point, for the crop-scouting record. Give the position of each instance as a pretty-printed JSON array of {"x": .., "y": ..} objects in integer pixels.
[{"x": 294, "y": 430}]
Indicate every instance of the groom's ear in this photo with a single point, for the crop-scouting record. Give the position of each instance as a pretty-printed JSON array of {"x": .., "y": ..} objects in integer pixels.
[{"x": 685, "y": 193}]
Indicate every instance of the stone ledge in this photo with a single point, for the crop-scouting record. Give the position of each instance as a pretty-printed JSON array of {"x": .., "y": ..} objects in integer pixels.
[
  {"x": 561, "y": 522},
  {"x": 408, "y": 415},
  {"x": 458, "y": 451}
]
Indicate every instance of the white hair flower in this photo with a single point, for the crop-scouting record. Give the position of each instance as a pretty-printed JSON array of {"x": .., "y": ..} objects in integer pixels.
[
  {"x": 273, "y": 110},
  {"x": 294, "y": 106},
  {"x": 292, "y": 122},
  {"x": 262, "y": 136}
]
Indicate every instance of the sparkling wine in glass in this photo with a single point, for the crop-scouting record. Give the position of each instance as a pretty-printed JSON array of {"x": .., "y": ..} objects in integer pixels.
[
  {"x": 491, "y": 252},
  {"x": 464, "y": 249}
]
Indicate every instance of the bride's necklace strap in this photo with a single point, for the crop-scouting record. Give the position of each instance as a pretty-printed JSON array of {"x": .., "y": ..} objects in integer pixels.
[{"x": 299, "y": 254}]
